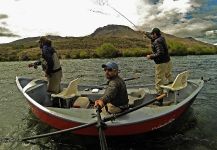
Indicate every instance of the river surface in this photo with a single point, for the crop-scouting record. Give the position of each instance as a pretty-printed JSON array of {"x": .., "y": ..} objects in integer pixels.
[{"x": 195, "y": 130}]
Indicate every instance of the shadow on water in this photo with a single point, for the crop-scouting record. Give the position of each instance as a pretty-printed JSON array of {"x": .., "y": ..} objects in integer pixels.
[{"x": 168, "y": 137}]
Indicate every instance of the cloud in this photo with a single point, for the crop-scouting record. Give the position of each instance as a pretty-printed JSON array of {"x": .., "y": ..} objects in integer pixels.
[
  {"x": 151, "y": 2},
  {"x": 211, "y": 34},
  {"x": 5, "y": 32},
  {"x": 3, "y": 16},
  {"x": 184, "y": 18},
  {"x": 163, "y": 13}
]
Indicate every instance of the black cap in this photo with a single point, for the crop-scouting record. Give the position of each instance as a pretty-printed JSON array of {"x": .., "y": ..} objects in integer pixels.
[
  {"x": 155, "y": 30},
  {"x": 42, "y": 39}
]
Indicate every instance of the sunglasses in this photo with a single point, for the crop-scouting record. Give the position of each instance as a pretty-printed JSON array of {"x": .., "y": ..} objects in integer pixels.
[{"x": 109, "y": 70}]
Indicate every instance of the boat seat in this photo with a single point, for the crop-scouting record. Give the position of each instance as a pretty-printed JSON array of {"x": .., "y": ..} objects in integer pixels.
[
  {"x": 81, "y": 102},
  {"x": 179, "y": 83},
  {"x": 136, "y": 96},
  {"x": 68, "y": 94}
]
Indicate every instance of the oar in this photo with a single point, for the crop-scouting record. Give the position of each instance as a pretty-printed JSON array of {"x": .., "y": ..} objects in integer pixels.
[
  {"x": 59, "y": 132},
  {"x": 101, "y": 126},
  {"x": 126, "y": 79},
  {"x": 147, "y": 102},
  {"x": 101, "y": 85},
  {"x": 205, "y": 80},
  {"x": 105, "y": 119}
]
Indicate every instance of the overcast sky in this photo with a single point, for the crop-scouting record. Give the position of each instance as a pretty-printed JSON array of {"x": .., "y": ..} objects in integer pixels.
[{"x": 30, "y": 18}]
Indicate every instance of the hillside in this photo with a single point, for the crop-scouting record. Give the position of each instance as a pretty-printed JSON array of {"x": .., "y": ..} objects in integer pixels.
[
  {"x": 108, "y": 41},
  {"x": 116, "y": 31}
]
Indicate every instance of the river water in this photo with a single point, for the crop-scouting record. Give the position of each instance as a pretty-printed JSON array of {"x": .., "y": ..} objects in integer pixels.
[{"x": 195, "y": 130}]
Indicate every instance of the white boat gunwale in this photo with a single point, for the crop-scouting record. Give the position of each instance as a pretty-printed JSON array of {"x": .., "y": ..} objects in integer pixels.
[{"x": 67, "y": 118}]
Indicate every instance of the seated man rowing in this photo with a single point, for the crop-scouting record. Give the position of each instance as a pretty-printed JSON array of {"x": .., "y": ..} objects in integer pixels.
[{"x": 115, "y": 98}]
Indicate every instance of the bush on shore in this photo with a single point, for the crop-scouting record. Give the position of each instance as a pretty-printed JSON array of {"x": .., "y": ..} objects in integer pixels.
[{"x": 107, "y": 50}]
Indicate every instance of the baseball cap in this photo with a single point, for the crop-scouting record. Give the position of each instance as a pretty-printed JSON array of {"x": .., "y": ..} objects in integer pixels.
[
  {"x": 110, "y": 65},
  {"x": 42, "y": 39},
  {"x": 155, "y": 30}
]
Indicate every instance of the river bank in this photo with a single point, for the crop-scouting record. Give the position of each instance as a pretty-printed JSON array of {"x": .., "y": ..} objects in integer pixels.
[{"x": 111, "y": 41}]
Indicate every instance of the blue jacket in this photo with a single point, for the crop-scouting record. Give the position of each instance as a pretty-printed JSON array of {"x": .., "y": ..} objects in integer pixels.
[{"x": 47, "y": 54}]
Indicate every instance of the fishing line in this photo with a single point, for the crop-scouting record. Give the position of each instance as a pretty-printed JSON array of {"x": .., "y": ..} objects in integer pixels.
[{"x": 105, "y": 3}]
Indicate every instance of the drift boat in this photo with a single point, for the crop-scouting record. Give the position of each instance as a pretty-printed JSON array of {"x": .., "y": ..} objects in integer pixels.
[{"x": 76, "y": 105}]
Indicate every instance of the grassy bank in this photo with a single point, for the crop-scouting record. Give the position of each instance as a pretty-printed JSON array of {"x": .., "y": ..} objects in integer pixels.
[
  {"x": 106, "y": 50},
  {"x": 107, "y": 42}
]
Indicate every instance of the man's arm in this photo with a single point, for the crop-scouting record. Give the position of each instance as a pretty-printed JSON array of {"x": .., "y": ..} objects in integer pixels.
[
  {"x": 110, "y": 92},
  {"x": 159, "y": 50},
  {"x": 35, "y": 64},
  {"x": 109, "y": 95},
  {"x": 148, "y": 35}
]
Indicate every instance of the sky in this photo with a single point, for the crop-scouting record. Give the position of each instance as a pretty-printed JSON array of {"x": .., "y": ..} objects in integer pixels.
[{"x": 183, "y": 18}]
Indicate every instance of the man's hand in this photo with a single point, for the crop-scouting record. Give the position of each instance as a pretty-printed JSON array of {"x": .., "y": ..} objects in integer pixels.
[
  {"x": 47, "y": 74},
  {"x": 30, "y": 65},
  {"x": 99, "y": 103},
  {"x": 148, "y": 56}
]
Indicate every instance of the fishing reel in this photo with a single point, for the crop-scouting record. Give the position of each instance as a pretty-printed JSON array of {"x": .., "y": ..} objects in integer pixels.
[{"x": 35, "y": 64}]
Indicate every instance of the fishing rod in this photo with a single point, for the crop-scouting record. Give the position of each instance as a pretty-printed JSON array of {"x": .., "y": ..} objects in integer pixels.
[
  {"x": 101, "y": 86},
  {"x": 102, "y": 3},
  {"x": 123, "y": 16},
  {"x": 126, "y": 79}
]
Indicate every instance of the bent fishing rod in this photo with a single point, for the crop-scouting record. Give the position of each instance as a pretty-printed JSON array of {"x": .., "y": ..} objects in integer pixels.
[
  {"x": 107, "y": 4},
  {"x": 123, "y": 16}
]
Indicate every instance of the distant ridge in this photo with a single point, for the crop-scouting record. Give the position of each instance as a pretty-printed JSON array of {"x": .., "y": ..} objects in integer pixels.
[
  {"x": 116, "y": 31},
  {"x": 110, "y": 31},
  {"x": 123, "y": 39}
]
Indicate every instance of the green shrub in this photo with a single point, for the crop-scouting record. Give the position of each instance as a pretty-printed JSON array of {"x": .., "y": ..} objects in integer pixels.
[
  {"x": 84, "y": 54},
  {"x": 176, "y": 48},
  {"x": 28, "y": 54},
  {"x": 107, "y": 50}
]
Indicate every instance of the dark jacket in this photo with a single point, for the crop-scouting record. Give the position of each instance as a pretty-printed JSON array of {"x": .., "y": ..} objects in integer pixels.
[
  {"x": 116, "y": 92},
  {"x": 52, "y": 62},
  {"x": 47, "y": 53},
  {"x": 160, "y": 50}
]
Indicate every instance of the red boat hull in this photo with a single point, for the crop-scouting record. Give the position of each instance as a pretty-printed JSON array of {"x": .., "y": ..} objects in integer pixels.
[{"x": 128, "y": 129}]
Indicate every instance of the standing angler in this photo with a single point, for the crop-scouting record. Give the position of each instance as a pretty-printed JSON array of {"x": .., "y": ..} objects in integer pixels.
[
  {"x": 161, "y": 58},
  {"x": 50, "y": 64}
]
